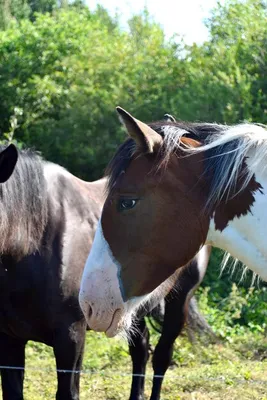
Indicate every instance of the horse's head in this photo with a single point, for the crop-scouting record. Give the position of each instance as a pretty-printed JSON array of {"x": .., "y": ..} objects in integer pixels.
[
  {"x": 150, "y": 226},
  {"x": 8, "y": 161}
]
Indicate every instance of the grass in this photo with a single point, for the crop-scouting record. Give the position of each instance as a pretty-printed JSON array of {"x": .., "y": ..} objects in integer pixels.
[{"x": 203, "y": 371}]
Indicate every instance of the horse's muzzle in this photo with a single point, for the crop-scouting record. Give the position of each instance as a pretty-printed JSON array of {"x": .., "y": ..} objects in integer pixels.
[{"x": 104, "y": 319}]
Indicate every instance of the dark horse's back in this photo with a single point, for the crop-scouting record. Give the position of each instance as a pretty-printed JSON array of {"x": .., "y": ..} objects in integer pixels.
[
  {"x": 39, "y": 291},
  {"x": 42, "y": 288}
]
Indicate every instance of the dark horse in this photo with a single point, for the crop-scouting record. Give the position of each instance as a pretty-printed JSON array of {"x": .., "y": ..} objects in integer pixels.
[
  {"x": 176, "y": 307},
  {"x": 47, "y": 220}
]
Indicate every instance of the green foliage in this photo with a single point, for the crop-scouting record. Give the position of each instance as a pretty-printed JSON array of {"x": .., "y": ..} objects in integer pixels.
[
  {"x": 11, "y": 10},
  {"x": 232, "y": 299},
  {"x": 43, "y": 6},
  {"x": 238, "y": 31},
  {"x": 240, "y": 310},
  {"x": 226, "y": 76},
  {"x": 68, "y": 71},
  {"x": 63, "y": 72},
  {"x": 8, "y": 137}
]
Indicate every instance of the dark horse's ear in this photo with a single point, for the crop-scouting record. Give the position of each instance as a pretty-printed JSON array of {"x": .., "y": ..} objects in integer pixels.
[
  {"x": 8, "y": 160},
  {"x": 145, "y": 137},
  {"x": 169, "y": 118}
]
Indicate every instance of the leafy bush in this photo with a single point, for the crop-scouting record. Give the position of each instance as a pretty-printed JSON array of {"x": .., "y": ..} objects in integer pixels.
[
  {"x": 235, "y": 310},
  {"x": 68, "y": 70}
]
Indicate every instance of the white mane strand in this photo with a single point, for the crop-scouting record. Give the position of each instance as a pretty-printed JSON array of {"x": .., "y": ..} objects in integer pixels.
[{"x": 228, "y": 150}]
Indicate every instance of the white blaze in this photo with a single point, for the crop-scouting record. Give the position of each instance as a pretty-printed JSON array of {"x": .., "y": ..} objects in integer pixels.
[{"x": 100, "y": 294}]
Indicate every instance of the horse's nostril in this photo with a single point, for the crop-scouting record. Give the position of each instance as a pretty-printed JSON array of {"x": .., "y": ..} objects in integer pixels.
[{"x": 90, "y": 312}]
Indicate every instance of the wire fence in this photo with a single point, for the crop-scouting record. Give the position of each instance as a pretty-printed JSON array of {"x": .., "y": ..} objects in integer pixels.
[
  {"x": 107, "y": 375},
  {"x": 125, "y": 374},
  {"x": 44, "y": 382}
]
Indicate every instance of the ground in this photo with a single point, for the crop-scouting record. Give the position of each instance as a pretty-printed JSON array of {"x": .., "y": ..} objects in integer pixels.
[{"x": 228, "y": 371}]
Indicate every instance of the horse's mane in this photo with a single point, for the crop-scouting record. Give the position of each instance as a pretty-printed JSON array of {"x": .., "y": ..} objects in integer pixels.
[
  {"x": 225, "y": 147},
  {"x": 171, "y": 132},
  {"x": 226, "y": 153},
  {"x": 23, "y": 206}
]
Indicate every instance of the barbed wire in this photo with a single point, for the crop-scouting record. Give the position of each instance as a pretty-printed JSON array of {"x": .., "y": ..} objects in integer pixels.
[{"x": 125, "y": 374}]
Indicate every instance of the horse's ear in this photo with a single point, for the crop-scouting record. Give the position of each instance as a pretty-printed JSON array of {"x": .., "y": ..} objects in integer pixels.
[
  {"x": 146, "y": 138},
  {"x": 169, "y": 118},
  {"x": 8, "y": 160}
]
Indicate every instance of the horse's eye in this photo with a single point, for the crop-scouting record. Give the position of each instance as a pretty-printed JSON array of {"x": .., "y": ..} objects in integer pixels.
[{"x": 126, "y": 204}]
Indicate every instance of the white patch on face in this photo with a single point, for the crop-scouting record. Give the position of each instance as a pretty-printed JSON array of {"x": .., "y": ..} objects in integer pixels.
[
  {"x": 245, "y": 237},
  {"x": 100, "y": 295}
]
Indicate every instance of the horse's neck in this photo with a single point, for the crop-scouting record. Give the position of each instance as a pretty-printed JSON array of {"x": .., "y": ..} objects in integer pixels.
[
  {"x": 244, "y": 235},
  {"x": 93, "y": 190},
  {"x": 75, "y": 208},
  {"x": 75, "y": 195}
]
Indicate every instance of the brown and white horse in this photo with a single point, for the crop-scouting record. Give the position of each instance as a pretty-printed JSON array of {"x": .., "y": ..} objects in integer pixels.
[{"x": 174, "y": 187}]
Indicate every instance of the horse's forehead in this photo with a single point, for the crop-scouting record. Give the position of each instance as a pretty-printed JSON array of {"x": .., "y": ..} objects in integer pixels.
[
  {"x": 146, "y": 171},
  {"x": 137, "y": 173}
]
